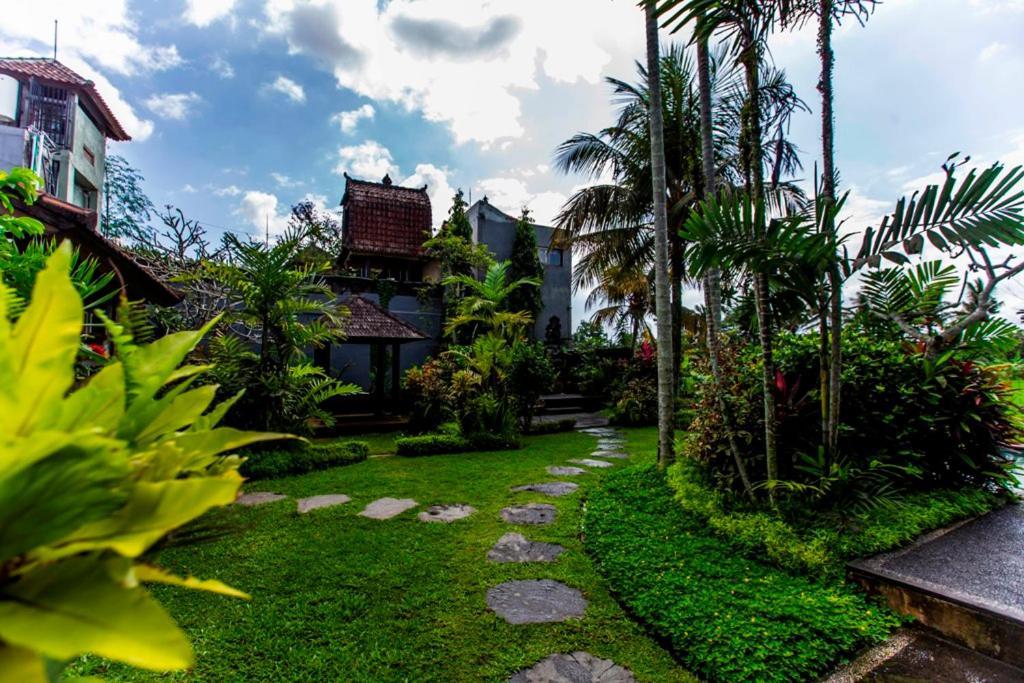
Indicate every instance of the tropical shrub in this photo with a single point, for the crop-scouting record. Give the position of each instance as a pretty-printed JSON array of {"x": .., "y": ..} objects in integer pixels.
[
  {"x": 530, "y": 376},
  {"x": 906, "y": 418},
  {"x": 91, "y": 477},
  {"x": 587, "y": 370},
  {"x": 429, "y": 393},
  {"x": 635, "y": 392},
  {"x": 301, "y": 458}
]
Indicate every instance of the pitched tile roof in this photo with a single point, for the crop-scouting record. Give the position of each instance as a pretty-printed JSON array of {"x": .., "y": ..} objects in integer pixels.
[
  {"x": 367, "y": 321},
  {"x": 53, "y": 72},
  {"x": 385, "y": 219}
]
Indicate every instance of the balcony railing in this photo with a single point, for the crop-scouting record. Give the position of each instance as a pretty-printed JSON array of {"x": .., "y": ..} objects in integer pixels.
[{"x": 41, "y": 155}]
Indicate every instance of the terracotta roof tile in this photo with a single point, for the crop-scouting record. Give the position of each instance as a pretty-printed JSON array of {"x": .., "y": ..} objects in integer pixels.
[
  {"x": 52, "y": 71},
  {"x": 385, "y": 219},
  {"x": 368, "y": 321}
]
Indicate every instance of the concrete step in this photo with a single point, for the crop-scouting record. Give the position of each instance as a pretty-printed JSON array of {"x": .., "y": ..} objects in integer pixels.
[{"x": 965, "y": 583}]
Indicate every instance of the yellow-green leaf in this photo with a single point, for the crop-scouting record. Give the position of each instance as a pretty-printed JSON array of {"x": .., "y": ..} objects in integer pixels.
[
  {"x": 19, "y": 665},
  {"x": 78, "y": 605},
  {"x": 149, "y": 574}
]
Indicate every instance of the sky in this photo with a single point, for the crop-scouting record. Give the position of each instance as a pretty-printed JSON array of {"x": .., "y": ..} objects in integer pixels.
[{"x": 240, "y": 108}]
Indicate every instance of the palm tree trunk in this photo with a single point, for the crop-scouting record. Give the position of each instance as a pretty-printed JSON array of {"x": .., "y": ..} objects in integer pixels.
[
  {"x": 829, "y": 190},
  {"x": 676, "y": 273},
  {"x": 754, "y": 176},
  {"x": 713, "y": 279},
  {"x": 666, "y": 450}
]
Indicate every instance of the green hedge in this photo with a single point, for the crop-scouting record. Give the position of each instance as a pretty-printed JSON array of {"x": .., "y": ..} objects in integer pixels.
[
  {"x": 284, "y": 462},
  {"x": 727, "y": 617},
  {"x": 812, "y": 542},
  {"x": 439, "y": 444},
  {"x": 554, "y": 427}
]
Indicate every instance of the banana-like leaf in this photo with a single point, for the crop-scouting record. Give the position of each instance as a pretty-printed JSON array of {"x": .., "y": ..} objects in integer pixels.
[
  {"x": 21, "y": 665},
  {"x": 149, "y": 574},
  {"x": 68, "y": 608}
]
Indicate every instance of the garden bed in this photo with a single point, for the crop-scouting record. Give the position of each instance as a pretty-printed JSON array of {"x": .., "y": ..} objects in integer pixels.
[{"x": 727, "y": 617}]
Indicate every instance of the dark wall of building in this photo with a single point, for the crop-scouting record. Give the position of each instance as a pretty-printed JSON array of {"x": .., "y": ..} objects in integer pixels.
[{"x": 496, "y": 229}]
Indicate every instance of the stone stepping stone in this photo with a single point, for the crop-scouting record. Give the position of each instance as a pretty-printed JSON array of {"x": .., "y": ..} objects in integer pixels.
[
  {"x": 259, "y": 498},
  {"x": 579, "y": 667},
  {"x": 386, "y": 508},
  {"x": 535, "y": 601},
  {"x": 551, "y": 488},
  {"x": 589, "y": 462},
  {"x": 560, "y": 471},
  {"x": 446, "y": 513},
  {"x": 317, "y": 502},
  {"x": 599, "y": 431},
  {"x": 609, "y": 454},
  {"x": 531, "y": 513},
  {"x": 513, "y": 547}
]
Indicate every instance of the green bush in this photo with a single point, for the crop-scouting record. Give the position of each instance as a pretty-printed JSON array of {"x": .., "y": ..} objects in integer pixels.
[
  {"x": 440, "y": 444},
  {"x": 727, "y": 617},
  {"x": 806, "y": 540},
  {"x": 553, "y": 427},
  {"x": 284, "y": 462},
  {"x": 431, "y": 444}
]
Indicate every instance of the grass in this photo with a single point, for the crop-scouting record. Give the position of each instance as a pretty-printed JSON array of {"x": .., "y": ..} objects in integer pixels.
[
  {"x": 728, "y": 617},
  {"x": 339, "y": 597},
  {"x": 380, "y": 443}
]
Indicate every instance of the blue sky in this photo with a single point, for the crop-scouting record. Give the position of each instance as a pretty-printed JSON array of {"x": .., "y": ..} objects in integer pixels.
[{"x": 240, "y": 108}]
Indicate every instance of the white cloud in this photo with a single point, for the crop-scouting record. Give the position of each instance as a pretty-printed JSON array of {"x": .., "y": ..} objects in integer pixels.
[
  {"x": 468, "y": 73},
  {"x": 260, "y": 209},
  {"x": 284, "y": 181},
  {"x": 989, "y": 6},
  {"x": 348, "y": 120},
  {"x": 368, "y": 161},
  {"x": 188, "y": 188},
  {"x": 289, "y": 88},
  {"x": 104, "y": 33},
  {"x": 173, "y": 106},
  {"x": 511, "y": 195},
  {"x": 993, "y": 51},
  {"x": 227, "y": 191},
  {"x": 202, "y": 13},
  {"x": 222, "y": 67},
  {"x": 438, "y": 189}
]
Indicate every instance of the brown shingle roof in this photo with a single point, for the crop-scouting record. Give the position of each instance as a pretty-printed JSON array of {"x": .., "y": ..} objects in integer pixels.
[
  {"x": 53, "y": 72},
  {"x": 369, "y": 322},
  {"x": 385, "y": 219}
]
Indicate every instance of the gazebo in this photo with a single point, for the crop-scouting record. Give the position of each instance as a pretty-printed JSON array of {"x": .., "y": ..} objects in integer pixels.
[{"x": 368, "y": 323}]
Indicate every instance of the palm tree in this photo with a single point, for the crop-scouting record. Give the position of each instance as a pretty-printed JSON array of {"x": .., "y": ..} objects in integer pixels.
[
  {"x": 626, "y": 300},
  {"x": 666, "y": 446},
  {"x": 483, "y": 308},
  {"x": 747, "y": 24}
]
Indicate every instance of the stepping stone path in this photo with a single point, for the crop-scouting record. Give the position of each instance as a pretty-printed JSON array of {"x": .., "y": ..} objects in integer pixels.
[
  {"x": 386, "y": 508},
  {"x": 589, "y": 462},
  {"x": 446, "y": 513},
  {"x": 513, "y": 547},
  {"x": 317, "y": 502},
  {"x": 531, "y": 513},
  {"x": 579, "y": 667},
  {"x": 259, "y": 498},
  {"x": 535, "y": 601},
  {"x": 560, "y": 471},
  {"x": 553, "y": 488},
  {"x": 609, "y": 454}
]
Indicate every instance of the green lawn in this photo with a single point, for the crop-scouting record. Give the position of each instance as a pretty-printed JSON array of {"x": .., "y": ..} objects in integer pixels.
[{"x": 339, "y": 597}]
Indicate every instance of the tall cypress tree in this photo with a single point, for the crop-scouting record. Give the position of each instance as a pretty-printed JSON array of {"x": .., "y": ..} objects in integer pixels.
[{"x": 525, "y": 263}]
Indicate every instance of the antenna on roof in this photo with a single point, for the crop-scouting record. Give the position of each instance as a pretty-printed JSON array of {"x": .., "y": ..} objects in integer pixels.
[{"x": 55, "y": 40}]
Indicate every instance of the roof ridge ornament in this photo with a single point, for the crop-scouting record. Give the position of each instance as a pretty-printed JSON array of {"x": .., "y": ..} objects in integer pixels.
[{"x": 386, "y": 180}]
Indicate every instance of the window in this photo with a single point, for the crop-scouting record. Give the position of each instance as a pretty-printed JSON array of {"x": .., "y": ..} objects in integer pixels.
[
  {"x": 542, "y": 254},
  {"x": 89, "y": 156},
  {"x": 554, "y": 257}
]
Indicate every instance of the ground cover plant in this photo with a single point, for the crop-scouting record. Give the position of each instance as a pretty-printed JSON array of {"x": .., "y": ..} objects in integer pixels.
[
  {"x": 727, "y": 617},
  {"x": 336, "y": 596}
]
